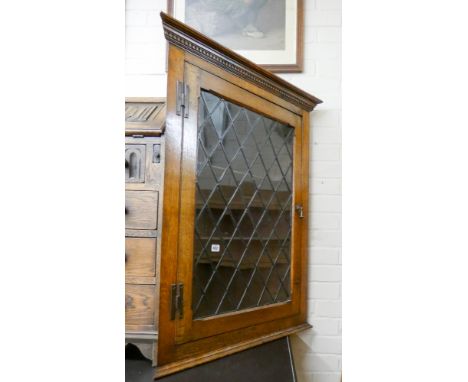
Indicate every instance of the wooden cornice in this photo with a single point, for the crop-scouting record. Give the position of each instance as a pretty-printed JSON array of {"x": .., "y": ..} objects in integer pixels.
[{"x": 196, "y": 43}]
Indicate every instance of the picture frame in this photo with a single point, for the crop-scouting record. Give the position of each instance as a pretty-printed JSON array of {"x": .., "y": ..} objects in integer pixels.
[{"x": 267, "y": 32}]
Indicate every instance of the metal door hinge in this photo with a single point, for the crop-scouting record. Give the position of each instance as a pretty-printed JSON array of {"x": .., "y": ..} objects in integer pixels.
[
  {"x": 177, "y": 301},
  {"x": 182, "y": 101}
]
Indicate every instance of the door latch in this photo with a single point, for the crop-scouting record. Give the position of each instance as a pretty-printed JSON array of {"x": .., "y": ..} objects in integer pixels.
[{"x": 300, "y": 211}]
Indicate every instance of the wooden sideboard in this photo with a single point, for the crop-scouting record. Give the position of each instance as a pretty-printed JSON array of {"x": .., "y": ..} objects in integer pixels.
[{"x": 144, "y": 176}]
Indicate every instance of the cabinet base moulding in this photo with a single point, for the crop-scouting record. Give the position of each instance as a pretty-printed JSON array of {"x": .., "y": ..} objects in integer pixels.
[{"x": 174, "y": 367}]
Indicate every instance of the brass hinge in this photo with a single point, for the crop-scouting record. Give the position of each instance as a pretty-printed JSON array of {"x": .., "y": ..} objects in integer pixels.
[
  {"x": 177, "y": 301},
  {"x": 182, "y": 100}
]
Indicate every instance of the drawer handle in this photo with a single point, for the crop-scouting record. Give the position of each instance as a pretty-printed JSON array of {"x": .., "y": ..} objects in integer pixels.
[
  {"x": 126, "y": 211},
  {"x": 126, "y": 256},
  {"x": 126, "y": 163}
]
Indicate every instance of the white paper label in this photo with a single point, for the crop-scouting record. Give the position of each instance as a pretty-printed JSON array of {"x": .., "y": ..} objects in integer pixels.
[{"x": 215, "y": 247}]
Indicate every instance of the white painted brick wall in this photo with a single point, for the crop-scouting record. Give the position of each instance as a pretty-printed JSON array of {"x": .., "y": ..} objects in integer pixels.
[{"x": 317, "y": 352}]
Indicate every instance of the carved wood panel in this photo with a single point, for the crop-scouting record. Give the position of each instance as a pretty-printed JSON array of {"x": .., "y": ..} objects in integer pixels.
[{"x": 135, "y": 163}]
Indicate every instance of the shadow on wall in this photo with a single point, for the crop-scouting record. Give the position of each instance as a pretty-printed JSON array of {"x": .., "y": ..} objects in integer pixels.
[{"x": 307, "y": 362}]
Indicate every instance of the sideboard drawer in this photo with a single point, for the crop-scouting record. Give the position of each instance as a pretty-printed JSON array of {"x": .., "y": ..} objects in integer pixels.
[
  {"x": 140, "y": 256},
  {"x": 139, "y": 305},
  {"x": 141, "y": 209}
]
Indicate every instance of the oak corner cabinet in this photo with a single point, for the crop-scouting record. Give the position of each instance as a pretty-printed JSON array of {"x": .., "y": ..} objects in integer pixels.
[{"x": 216, "y": 207}]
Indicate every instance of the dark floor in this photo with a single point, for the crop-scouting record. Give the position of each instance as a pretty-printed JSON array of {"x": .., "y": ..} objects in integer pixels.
[{"x": 269, "y": 362}]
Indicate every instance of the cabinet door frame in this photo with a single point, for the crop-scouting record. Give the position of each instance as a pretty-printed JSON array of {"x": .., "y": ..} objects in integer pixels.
[
  {"x": 188, "y": 329},
  {"x": 183, "y": 341}
]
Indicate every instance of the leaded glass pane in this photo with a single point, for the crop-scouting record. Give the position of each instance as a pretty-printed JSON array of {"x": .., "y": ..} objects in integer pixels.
[{"x": 243, "y": 216}]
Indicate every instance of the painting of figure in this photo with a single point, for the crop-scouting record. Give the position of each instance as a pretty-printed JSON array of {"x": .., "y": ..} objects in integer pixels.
[
  {"x": 240, "y": 24},
  {"x": 267, "y": 32}
]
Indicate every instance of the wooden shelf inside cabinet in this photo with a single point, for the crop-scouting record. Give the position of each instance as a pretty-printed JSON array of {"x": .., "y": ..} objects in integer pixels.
[
  {"x": 242, "y": 238},
  {"x": 264, "y": 263},
  {"x": 243, "y": 195},
  {"x": 260, "y": 253}
]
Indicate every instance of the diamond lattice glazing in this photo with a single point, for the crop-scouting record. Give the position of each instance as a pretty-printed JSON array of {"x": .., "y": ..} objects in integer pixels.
[{"x": 243, "y": 209}]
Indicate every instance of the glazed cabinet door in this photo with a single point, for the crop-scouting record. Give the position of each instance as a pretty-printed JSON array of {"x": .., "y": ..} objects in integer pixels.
[{"x": 234, "y": 246}]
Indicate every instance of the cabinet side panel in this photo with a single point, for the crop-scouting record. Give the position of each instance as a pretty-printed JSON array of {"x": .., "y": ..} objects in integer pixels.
[
  {"x": 169, "y": 242},
  {"x": 305, "y": 222}
]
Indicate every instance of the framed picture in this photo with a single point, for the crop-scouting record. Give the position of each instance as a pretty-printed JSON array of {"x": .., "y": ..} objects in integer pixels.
[{"x": 267, "y": 32}]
